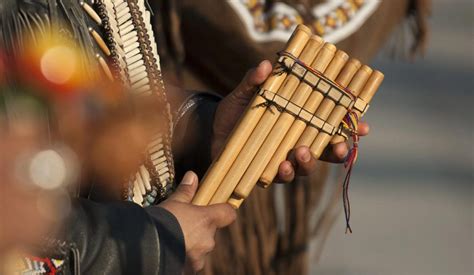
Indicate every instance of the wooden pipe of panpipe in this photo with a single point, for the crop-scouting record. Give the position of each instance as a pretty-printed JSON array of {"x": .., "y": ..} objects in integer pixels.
[
  {"x": 260, "y": 132},
  {"x": 366, "y": 95},
  {"x": 246, "y": 124},
  {"x": 300, "y": 97},
  {"x": 338, "y": 113},
  {"x": 324, "y": 111},
  {"x": 299, "y": 126},
  {"x": 235, "y": 202},
  {"x": 322, "y": 63}
]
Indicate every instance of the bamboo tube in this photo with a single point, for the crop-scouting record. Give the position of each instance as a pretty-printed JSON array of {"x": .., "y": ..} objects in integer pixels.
[
  {"x": 235, "y": 202},
  {"x": 323, "y": 139},
  {"x": 324, "y": 111},
  {"x": 264, "y": 126},
  {"x": 366, "y": 95},
  {"x": 299, "y": 126},
  {"x": 285, "y": 121},
  {"x": 247, "y": 123}
]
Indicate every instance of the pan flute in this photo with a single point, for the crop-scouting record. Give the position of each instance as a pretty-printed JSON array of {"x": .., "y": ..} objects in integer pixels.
[{"x": 314, "y": 97}]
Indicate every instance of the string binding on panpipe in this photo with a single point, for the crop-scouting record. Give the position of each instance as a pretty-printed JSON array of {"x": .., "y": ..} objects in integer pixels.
[
  {"x": 319, "y": 83},
  {"x": 314, "y": 96}
]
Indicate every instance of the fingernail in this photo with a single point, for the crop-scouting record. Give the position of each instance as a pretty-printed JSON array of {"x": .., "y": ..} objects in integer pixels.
[
  {"x": 261, "y": 63},
  {"x": 343, "y": 153},
  {"x": 306, "y": 157},
  {"x": 188, "y": 179}
]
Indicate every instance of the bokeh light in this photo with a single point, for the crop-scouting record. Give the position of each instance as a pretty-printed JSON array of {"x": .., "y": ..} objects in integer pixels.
[
  {"x": 59, "y": 64},
  {"x": 47, "y": 169},
  {"x": 54, "y": 67}
]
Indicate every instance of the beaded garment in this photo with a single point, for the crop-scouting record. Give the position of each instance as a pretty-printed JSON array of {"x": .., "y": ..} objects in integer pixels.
[{"x": 128, "y": 44}]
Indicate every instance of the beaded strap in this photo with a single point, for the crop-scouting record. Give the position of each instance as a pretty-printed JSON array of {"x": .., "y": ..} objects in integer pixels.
[{"x": 131, "y": 57}]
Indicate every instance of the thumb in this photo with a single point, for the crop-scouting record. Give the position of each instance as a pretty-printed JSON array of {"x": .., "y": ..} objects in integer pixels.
[
  {"x": 186, "y": 189},
  {"x": 246, "y": 89}
]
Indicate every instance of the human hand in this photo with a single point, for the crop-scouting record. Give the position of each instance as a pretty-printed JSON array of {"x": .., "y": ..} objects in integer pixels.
[
  {"x": 300, "y": 161},
  {"x": 198, "y": 223}
]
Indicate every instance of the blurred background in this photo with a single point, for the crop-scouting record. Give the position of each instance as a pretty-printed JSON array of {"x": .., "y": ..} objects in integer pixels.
[{"x": 412, "y": 193}]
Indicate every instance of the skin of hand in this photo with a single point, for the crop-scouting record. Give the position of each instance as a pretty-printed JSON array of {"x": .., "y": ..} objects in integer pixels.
[
  {"x": 198, "y": 223},
  {"x": 300, "y": 161}
]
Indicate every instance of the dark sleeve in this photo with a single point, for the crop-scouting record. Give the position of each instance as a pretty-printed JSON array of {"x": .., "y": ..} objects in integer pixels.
[
  {"x": 172, "y": 246},
  {"x": 123, "y": 238},
  {"x": 193, "y": 133}
]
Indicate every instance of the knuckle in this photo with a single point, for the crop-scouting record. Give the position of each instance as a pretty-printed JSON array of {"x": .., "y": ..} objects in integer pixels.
[
  {"x": 242, "y": 95},
  {"x": 188, "y": 192},
  {"x": 207, "y": 220},
  {"x": 193, "y": 262},
  {"x": 198, "y": 265},
  {"x": 211, "y": 225},
  {"x": 210, "y": 245}
]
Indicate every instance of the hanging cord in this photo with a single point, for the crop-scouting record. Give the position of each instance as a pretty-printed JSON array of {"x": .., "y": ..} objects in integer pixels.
[{"x": 351, "y": 122}]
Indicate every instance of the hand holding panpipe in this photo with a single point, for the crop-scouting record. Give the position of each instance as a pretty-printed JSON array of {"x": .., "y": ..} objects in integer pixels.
[{"x": 315, "y": 94}]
